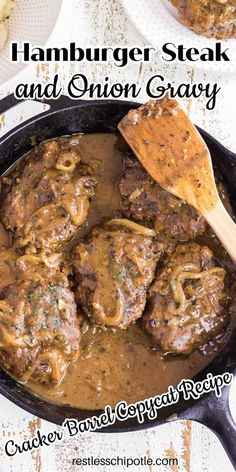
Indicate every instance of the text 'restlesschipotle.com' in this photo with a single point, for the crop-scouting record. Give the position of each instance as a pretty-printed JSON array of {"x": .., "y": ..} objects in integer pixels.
[{"x": 125, "y": 461}]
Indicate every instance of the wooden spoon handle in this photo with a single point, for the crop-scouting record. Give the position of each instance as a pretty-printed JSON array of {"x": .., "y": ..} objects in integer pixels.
[{"x": 224, "y": 227}]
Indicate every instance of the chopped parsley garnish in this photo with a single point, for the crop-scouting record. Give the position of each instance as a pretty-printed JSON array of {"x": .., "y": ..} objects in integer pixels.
[
  {"x": 52, "y": 287},
  {"x": 57, "y": 323},
  {"x": 43, "y": 325}
]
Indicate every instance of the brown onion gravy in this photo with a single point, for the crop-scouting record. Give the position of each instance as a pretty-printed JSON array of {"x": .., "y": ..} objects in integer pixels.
[{"x": 117, "y": 364}]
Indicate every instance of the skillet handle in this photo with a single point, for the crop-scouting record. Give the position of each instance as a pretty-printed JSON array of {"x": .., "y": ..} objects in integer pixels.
[
  {"x": 62, "y": 102},
  {"x": 8, "y": 102},
  {"x": 214, "y": 413}
]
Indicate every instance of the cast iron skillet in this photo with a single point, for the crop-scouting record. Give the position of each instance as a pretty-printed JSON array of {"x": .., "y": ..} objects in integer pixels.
[{"x": 67, "y": 117}]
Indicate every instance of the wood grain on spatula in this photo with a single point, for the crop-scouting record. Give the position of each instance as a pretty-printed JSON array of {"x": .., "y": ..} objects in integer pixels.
[{"x": 172, "y": 151}]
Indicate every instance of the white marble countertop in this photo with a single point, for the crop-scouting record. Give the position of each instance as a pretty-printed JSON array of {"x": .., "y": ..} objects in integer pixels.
[{"x": 93, "y": 23}]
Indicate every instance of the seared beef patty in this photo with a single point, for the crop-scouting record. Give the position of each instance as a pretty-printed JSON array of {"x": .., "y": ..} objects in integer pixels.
[
  {"x": 46, "y": 197},
  {"x": 212, "y": 18},
  {"x": 16, "y": 267},
  {"x": 114, "y": 268},
  {"x": 39, "y": 332},
  {"x": 144, "y": 200},
  {"x": 186, "y": 302}
]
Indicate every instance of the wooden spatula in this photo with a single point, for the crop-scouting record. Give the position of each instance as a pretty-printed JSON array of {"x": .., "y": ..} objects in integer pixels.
[{"x": 172, "y": 151}]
